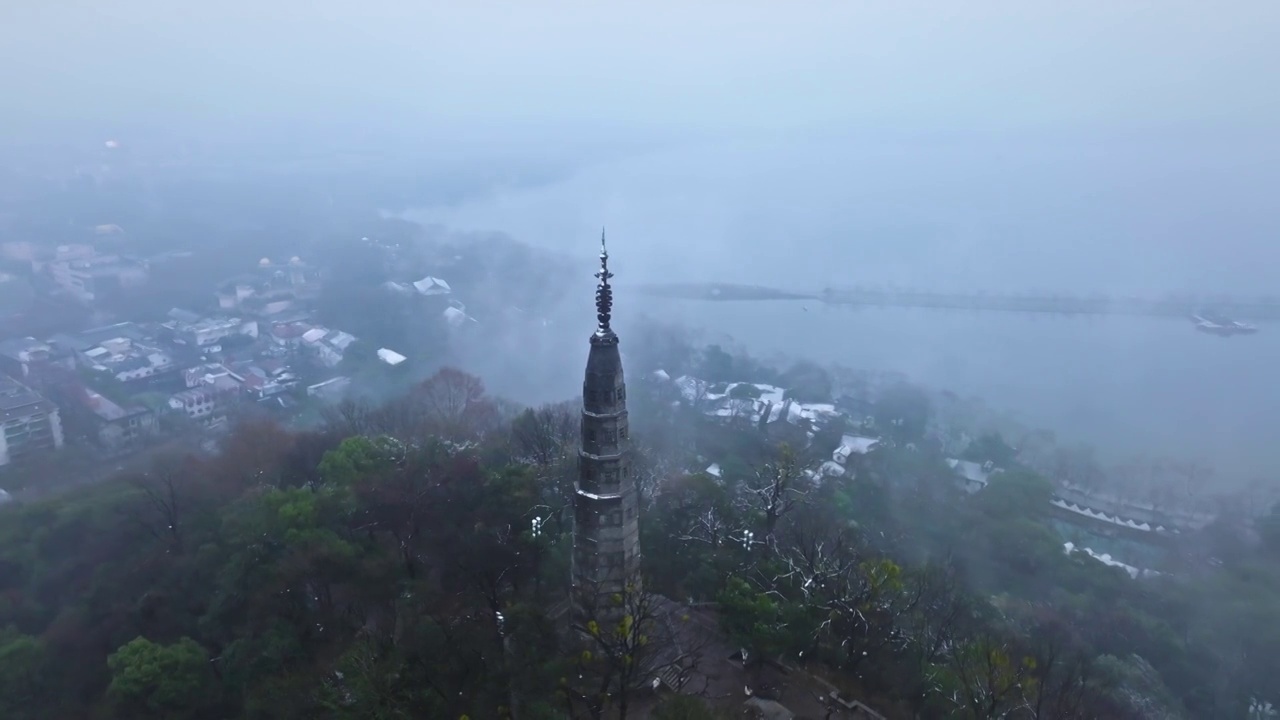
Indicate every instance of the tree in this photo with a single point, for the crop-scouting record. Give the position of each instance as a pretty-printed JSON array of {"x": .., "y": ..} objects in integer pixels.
[
  {"x": 987, "y": 677},
  {"x": 357, "y": 457},
  {"x": 165, "y": 514},
  {"x": 24, "y": 677},
  {"x": 627, "y": 639},
  {"x": 454, "y": 405},
  {"x": 545, "y": 435},
  {"x": 902, "y": 411},
  {"x": 1269, "y": 530},
  {"x": 808, "y": 382},
  {"x": 778, "y": 486},
  {"x": 991, "y": 448},
  {"x": 162, "y": 681},
  {"x": 716, "y": 365}
]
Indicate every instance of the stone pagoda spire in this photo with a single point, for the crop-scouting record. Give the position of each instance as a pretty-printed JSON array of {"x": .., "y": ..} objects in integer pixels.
[{"x": 606, "y": 535}]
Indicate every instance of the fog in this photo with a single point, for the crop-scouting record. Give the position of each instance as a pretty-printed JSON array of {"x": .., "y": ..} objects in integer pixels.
[{"x": 997, "y": 146}]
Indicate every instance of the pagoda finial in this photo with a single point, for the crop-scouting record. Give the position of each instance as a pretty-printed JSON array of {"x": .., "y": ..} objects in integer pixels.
[{"x": 604, "y": 293}]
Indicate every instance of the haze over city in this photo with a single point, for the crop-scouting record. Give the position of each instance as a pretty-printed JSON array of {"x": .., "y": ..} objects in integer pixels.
[{"x": 295, "y": 299}]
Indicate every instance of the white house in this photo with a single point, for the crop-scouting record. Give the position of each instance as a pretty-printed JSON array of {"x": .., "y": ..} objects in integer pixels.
[
  {"x": 974, "y": 476},
  {"x": 432, "y": 286},
  {"x": 390, "y": 357},
  {"x": 851, "y": 445}
]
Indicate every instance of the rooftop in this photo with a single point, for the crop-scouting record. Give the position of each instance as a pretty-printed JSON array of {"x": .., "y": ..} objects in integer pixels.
[
  {"x": 390, "y": 357},
  {"x": 103, "y": 407},
  {"x": 23, "y": 349},
  {"x": 87, "y": 339},
  {"x": 18, "y": 400}
]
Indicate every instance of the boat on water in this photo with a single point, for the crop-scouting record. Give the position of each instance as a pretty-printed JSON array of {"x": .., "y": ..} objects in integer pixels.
[{"x": 1222, "y": 327}]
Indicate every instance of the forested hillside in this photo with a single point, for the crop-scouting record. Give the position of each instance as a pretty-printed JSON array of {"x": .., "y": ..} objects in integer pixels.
[{"x": 405, "y": 560}]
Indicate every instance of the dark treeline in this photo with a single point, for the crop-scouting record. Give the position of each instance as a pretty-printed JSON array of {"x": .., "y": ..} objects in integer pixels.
[{"x": 405, "y": 560}]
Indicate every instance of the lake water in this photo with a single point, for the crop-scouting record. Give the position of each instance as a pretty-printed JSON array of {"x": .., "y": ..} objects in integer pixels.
[{"x": 1040, "y": 218}]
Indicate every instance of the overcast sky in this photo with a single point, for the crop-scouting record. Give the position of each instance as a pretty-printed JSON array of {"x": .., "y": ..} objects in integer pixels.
[
  {"x": 723, "y": 66},
  {"x": 1085, "y": 145}
]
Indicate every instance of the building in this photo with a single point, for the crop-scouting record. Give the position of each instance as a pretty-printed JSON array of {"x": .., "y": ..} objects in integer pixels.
[
  {"x": 88, "y": 277},
  {"x": 266, "y": 378},
  {"x": 973, "y": 476},
  {"x": 852, "y": 446},
  {"x": 106, "y": 422},
  {"x": 390, "y": 357},
  {"x": 27, "y": 357},
  {"x": 606, "y": 534},
  {"x": 273, "y": 289},
  {"x": 432, "y": 286},
  {"x": 332, "y": 389},
  {"x": 211, "y": 390},
  {"x": 204, "y": 332},
  {"x": 31, "y": 423},
  {"x": 327, "y": 346},
  {"x": 123, "y": 351}
]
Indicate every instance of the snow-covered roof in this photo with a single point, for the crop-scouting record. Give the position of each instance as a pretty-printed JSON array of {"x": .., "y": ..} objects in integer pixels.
[
  {"x": 976, "y": 476},
  {"x": 714, "y": 470},
  {"x": 1106, "y": 559},
  {"x": 341, "y": 340},
  {"x": 432, "y": 286},
  {"x": 813, "y": 412},
  {"x": 314, "y": 334},
  {"x": 390, "y": 357},
  {"x": 1105, "y": 517},
  {"x": 454, "y": 316},
  {"x": 857, "y": 445}
]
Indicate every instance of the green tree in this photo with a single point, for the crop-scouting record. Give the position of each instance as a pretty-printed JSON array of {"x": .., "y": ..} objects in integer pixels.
[
  {"x": 162, "y": 681},
  {"x": 357, "y": 457},
  {"x": 992, "y": 448},
  {"x": 808, "y": 382},
  {"x": 902, "y": 412},
  {"x": 23, "y": 677},
  {"x": 1269, "y": 530}
]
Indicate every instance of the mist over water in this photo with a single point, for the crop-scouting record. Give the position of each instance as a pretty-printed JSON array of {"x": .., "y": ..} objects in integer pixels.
[{"x": 1124, "y": 215}]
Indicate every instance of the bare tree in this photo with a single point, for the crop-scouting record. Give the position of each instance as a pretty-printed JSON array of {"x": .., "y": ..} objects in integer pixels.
[
  {"x": 348, "y": 418},
  {"x": 630, "y": 640},
  {"x": 935, "y": 622},
  {"x": 989, "y": 675},
  {"x": 778, "y": 486},
  {"x": 166, "y": 505},
  {"x": 455, "y": 406},
  {"x": 545, "y": 435}
]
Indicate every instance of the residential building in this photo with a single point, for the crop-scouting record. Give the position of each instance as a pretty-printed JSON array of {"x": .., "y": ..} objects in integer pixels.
[
  {"x": 88, "y": 277},
  {"x": 431, "y": 286},
  {"x": 106, "y": 422},
  {"x": 211, "y": 391},
  {"x": 288, "y": 335},
  {"x": 327, "y": 346},
  {"x": 25, "y": 358},
  {"x": 973, "y": 476},
  {"x": 390, "y": 357},
  {"x": 265, "y": 379},
  {"x": 32, "y": 423},
  {"x": 331, "y": 389},
  {"x": 273, "y": 289},
  {"x": 205, "y": 332},
  {"x": 124, "y": 350}
]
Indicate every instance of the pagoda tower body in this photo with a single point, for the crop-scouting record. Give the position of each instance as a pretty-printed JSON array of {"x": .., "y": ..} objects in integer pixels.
[{"x": 606, "y": 530}]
